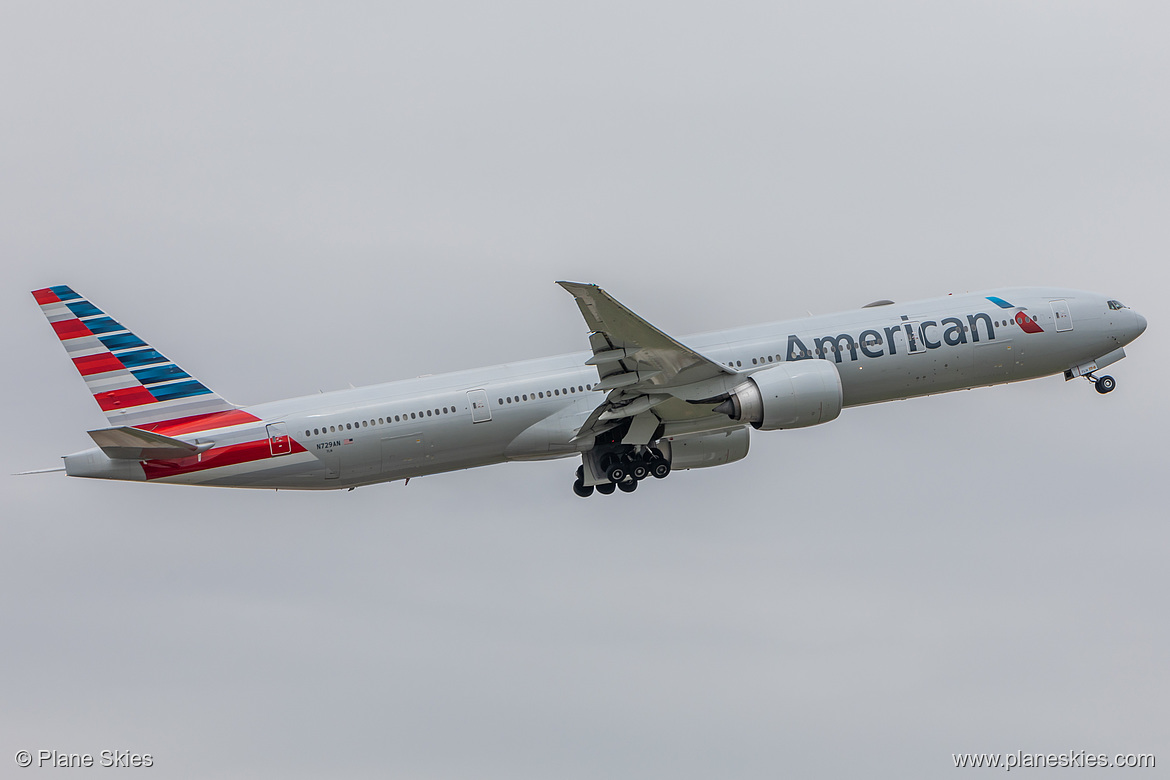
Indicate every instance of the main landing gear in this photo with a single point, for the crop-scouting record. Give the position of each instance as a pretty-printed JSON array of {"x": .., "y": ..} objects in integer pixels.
[{"x": 624, "y": 470}]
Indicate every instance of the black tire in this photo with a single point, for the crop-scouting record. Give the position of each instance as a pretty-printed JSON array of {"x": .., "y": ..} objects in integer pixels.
[
  {"x": 660, "y": 468},
  {"x": 639, "y": 470},
  {"x": 629, "y": 486},
  {"x": 606, "y": 489},
  {"x": 615, "y": 473},
  {"x": 1105, "y": 384},
  {"x": 581, "y": 489},
  {"x": 581, "y": 473}
]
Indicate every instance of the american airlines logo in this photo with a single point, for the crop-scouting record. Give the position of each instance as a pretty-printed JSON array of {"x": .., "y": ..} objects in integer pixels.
[{"x": 915, "y": 336}]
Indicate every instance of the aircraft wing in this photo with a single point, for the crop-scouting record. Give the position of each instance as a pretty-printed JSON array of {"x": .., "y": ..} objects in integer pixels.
[{"x": 642, "y": 367}]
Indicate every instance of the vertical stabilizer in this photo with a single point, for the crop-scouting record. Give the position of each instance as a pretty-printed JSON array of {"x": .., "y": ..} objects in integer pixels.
[{"x": 132, "y": 382}]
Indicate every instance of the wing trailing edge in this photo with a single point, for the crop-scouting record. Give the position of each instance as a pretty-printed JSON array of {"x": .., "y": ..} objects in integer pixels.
[{"x": 642, "y": 367}]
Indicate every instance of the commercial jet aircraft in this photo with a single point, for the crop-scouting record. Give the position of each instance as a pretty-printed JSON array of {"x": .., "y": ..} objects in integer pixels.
[{"x": 640, "y": 403}]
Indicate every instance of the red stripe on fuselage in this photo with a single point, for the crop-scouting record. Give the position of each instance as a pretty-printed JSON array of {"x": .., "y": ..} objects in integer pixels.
[
  {"x": 70, "y": 329},
  {"x": 1027, "y": 324},
  {"x": 127, "y": 396},
  {"x": 45, "y": 296},
  {"x": 199, "y": 422},
  {"x": 216, "y": 457},
  {"x": 97, "y": 364}
]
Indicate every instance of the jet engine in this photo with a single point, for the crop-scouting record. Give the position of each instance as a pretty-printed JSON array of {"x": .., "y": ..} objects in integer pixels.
[
  {"x": 794, "y": 394},
  {"x": 701, "y": 450}
]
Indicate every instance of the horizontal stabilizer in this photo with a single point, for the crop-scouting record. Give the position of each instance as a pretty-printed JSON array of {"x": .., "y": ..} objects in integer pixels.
[{"x": 133, "y": 444}]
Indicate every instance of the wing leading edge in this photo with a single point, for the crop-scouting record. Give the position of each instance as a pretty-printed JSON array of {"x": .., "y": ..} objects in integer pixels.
[{"x": 644, "y": 369}]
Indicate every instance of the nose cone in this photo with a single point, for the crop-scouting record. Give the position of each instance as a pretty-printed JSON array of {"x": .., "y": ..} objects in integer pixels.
[{"x": 1139, "y": 325}]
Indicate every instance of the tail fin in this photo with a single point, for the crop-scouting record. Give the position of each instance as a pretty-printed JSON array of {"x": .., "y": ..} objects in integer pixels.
[{"x": 132, "y": 383}]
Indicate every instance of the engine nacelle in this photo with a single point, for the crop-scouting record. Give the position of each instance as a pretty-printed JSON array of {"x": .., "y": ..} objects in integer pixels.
[
  {"x": 700, "y": 450},
  {"x": 794, "y": 394}
]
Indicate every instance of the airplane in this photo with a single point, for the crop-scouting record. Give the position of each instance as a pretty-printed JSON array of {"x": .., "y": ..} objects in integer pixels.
[{"x": 639, "y": 403}]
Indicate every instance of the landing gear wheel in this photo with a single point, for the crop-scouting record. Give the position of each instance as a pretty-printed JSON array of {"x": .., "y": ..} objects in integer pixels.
[
  {"x": 615, "y": 473},
  {"x": 606, "y": 489},
  {"x": 581, "y": 473},
  {"x": 638, "y": 469},
  {"x": 659, "y": 468},
  {"x": 581, "y": 489},
  {"x": 1105, "y": 384},
  {"x": 629, "y": 486}
]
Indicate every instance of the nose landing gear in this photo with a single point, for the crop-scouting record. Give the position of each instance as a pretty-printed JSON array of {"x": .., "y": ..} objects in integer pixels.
[{"x": 1102, "y": 384}]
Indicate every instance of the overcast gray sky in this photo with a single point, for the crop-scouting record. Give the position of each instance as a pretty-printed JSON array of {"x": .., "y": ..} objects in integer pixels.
[{"x": 290, "y": 197}]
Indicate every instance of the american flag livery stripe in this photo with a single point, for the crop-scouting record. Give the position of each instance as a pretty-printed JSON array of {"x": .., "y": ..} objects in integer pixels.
[
  {"x": 97, "y": 364},
  {"x": 153, "y": 374},
  {"x": 201, "y": 422},
  {"x": 133, "y": 383},
  {"x": 70, "y": 329},
  {"x": 217, "y": 457}
]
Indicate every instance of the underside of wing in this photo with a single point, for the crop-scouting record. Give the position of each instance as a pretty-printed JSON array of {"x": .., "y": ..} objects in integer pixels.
[{"x": 645, "y": 370}]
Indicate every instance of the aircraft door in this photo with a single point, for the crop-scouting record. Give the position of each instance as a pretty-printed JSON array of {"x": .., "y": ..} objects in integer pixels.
[
  {"x": 278, "y": 441},
  {"x": 1061, "y": 315},
  {"x": 914, "y": 337},
  {"x": 480, "y": 411}
]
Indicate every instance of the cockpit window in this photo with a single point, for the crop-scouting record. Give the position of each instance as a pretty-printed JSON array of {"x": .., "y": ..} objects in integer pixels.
[{"x": 1117, "y": 305}]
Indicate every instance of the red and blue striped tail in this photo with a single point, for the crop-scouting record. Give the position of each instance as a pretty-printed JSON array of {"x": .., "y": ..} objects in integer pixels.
[{"x": 132, "y": 382}]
